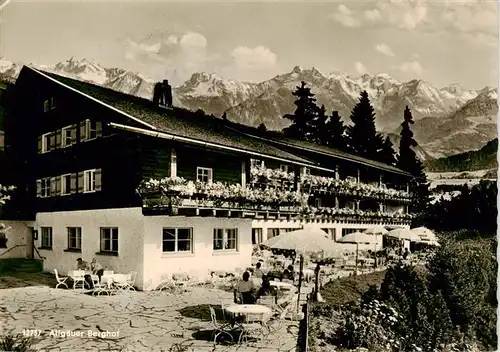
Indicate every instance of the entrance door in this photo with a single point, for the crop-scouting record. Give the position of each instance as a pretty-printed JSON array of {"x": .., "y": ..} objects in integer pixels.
[{"x": 30, "y": 246}]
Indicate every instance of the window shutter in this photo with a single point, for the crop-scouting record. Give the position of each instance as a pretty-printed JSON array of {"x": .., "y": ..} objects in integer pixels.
[
  {"x": 83, "y": 130},
  {"x": 58, "y": 185},
  {"x": 98, "y": 182},
  {"x": 52, "y": 186},
  {"x": 98, "y": 127},
  {"x": 80, "y": 182},
  {"x": 210, "y": 175},
  {"x": 52, "y": 141},
  {"x": 73, "y": 183},
  {"x": 38, "y": 188},
  {"x": 58, "y": 138},
  {"x": 73, "y": 133},
  {"x": 39, "y": 144}
]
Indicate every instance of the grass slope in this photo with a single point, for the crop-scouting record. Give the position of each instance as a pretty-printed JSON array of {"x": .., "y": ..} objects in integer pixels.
[{"x": 484, "y": 158}]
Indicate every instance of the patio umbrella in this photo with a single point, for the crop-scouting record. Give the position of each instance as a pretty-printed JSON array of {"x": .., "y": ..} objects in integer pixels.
[
  {"x": 358, "y": 237},
  {"x": 425, "y": 234},
  {"x": 404, "y": 234},
  {"x": 376, "y": 230}
]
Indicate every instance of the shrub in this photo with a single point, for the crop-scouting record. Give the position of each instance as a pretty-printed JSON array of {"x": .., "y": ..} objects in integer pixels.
[{"x": 16, "y": 343}]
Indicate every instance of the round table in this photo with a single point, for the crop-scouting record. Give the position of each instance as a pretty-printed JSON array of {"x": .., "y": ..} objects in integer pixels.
[
  {"x": 248, "y": 309},
  {"x": 281, "y": 285}
]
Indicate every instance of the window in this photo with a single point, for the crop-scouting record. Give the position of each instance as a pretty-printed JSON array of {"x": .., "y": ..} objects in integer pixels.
[
  {"x": 66, "y": 184},
  {"x": 348, "y": 231},
  {"x": 89, "y": 181},
  {"x": 177, "y": 240},
  {"x": 75, "y": 238},
  {"x": 317, "y": 202},
  {"x": 90, "y": 130},
  {"x": 272, "y": 233},
  {"x": 52, "y": 103},
  {"x": 46, "y": 143},
  {"x": 203, "y": 174},
  {"x": 256, "y": 236},
  {"x": 45, "y": 106},
  {"x": 109, "y": 239},
  {"x": 284, "y": 168},
  {"x": 255, "y": 163},
  {"x": 46, "y": 237},
  {"x": 383, "y": 208},
  {"x": 68, "y": 136},
  {"x": 225, "y": 239},
  {"x": 46, "y": 187}
]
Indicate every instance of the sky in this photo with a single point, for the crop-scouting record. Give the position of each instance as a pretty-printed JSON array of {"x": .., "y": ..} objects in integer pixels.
[{"x": 443, "y": 42}]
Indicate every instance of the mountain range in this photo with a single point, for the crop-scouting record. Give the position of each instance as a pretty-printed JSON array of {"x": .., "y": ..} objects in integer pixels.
[{"x": 449, "y": 120}]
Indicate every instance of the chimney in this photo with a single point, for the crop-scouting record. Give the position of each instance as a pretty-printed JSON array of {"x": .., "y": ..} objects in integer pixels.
[{"x": 162, "y": 94}]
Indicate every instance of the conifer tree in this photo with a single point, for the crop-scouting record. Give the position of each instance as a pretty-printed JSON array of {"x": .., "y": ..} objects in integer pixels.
[
  {"x": 335, "y": 130},
  {"x": 387, "y": 154},
  {"x": 303, "y": 118},
  {"x": 362, "y": 136},
  {"x": 319, "y": 133},
  {"x": 409, "y": 161}
]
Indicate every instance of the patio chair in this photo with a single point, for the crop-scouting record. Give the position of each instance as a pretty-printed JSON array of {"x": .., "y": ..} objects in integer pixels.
[
  {"x": 61, "y": 280},
  {"x": 223, "y": 329},
  {"x": 252, "y": 326}
]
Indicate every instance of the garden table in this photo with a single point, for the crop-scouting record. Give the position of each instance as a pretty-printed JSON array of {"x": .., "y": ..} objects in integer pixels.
[
  {"x": 282, "y": 285},
  {"x": 248, "y": 309}
]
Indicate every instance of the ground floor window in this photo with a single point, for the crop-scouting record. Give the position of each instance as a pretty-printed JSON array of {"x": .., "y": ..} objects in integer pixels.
[
  {"x": 348, "y": 231},
  {"x": 272, "y": 233},
  {"x": 177, "y": 240},
  {"x": 331, "y": 233},
  {"x": 256, "y": 236},
  {"x": 46, "y": 237},
  {"x": 109, "y": 239},
  {"x": 225, "y": 239},
  {"x": 75, "y": 238}
]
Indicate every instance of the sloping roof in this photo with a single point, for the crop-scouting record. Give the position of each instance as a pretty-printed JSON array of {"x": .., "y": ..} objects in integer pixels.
[{"x": 177, "y": 122}]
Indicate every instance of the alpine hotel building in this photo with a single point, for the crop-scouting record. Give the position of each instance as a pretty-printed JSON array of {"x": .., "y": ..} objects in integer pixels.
[{"x": 143, "y": 188}]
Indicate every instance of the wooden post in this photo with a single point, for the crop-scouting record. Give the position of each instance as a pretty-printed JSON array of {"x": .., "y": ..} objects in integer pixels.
[
  {"x": 358, "y": 177},
  {"x": 297, "y": 171},
  {"x": 356, "y": 264},
  {"x": 243, "y": 173},
  {"x": 301, "y": 268},
  {"x": 337, "y": 175},
  {"x": 381, "y": 180},
  {"x": 173, "y": 163},
  {"x": 316, "y": 283}
]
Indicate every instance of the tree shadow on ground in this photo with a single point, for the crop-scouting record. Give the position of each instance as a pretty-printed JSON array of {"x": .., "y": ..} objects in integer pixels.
[{"x": 202, "y": 312}]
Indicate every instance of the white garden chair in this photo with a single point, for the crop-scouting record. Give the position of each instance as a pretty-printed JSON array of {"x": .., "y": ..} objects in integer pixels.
[
  {"x": 128, "y": 282},
  {"x": 61, "y": 280},
  {"x": 220, "y": 329}
]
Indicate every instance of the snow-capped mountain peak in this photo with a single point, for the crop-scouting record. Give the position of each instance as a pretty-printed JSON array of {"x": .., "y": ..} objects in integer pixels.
[{"x": 85, "y": 69}]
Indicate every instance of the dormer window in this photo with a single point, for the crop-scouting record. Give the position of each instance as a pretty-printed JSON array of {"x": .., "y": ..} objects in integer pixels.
[
  {"x": 204, "y": 174},
  {"x": 46, "y": 106},
  {"x": 317, "y": 202},
  {"x": 52, "y": 103}
]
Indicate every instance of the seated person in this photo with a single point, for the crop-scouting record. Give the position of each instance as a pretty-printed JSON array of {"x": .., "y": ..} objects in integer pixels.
[
  {"x": 266, "y": 289},
  {"x": 288, "y": 275},
  {"x": 246, "y": 289},
  {"x": 97, "y": 268},
  {"x": 83, "y": 265},
  {"x": 258, "y": 273}
]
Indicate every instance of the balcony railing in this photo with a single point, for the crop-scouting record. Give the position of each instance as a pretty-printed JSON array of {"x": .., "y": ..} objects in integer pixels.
[
  {"x": 331, "y": 185},
  {"x": 179, "y": 193}
]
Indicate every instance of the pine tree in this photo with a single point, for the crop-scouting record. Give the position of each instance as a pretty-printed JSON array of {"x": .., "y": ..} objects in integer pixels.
[
  {"x": 319, "y": 133},
  {"x": 303, "y": 118},
  {"x": 362, "y": 136},
  {"x": 387, "y": 154},
  {"x": 335, "y": 131},
  {"x": 409, "y": 161}
]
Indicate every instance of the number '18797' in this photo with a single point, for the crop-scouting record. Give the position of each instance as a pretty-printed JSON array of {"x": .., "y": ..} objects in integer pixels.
[{"x": 32, "y": 332}]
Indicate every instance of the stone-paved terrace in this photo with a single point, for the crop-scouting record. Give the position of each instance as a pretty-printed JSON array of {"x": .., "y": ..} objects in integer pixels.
[{"x": 145, "y": 321}]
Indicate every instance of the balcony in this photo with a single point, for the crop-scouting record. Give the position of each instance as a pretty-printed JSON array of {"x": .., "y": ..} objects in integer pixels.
[{"x": 177, "y": 196}]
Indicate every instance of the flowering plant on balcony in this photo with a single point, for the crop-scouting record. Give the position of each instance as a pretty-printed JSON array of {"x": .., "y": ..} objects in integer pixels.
[
  {"x": 270, "y": 175},
  {"x": 220, "y": 192},
  {"x": 349, "y": 212},
  {"x": 352, "y": 188}
]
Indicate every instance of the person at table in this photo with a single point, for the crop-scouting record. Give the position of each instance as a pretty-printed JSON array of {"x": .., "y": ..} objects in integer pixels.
[
  {"x": 245, "y": 288},
  {"x": 97, "y": 268},
  {"x": 266, "y": 289},
  {"x": 83, "y": 265},
  {"x": 258, "y": 273}
]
